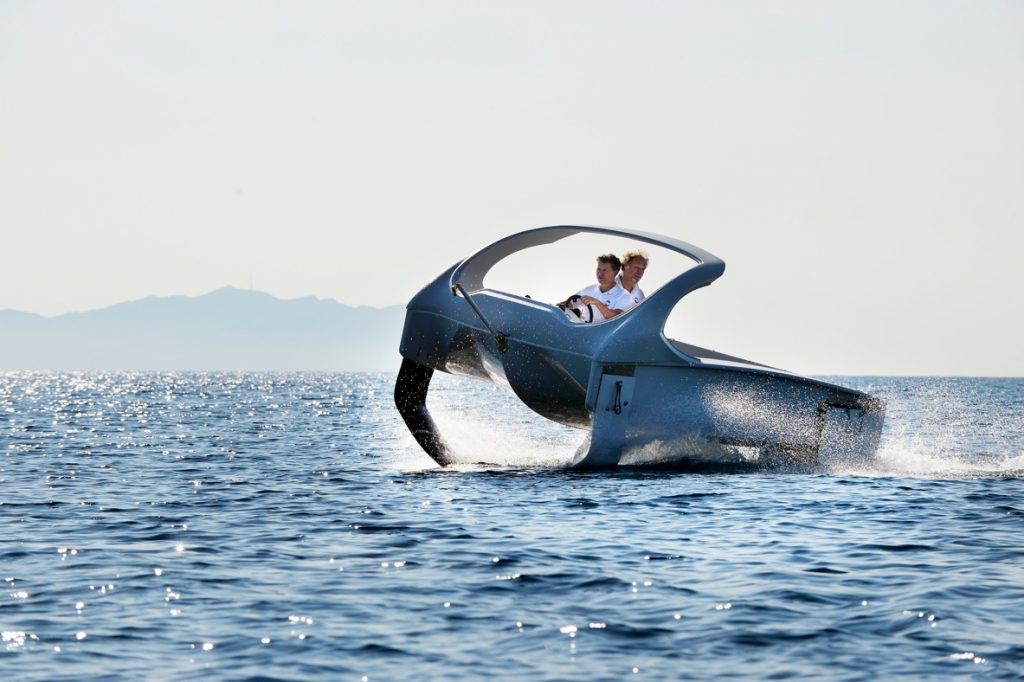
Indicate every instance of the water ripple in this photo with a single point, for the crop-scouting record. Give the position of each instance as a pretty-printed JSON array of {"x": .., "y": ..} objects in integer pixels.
[{"x": 262, "y": 526}]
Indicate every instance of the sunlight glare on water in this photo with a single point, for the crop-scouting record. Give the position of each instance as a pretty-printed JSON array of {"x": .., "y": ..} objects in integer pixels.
[{"x": 247, "y": 526}]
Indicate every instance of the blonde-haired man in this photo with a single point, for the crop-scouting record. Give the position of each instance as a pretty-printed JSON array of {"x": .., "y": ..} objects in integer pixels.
[{"x": 634, "y": 264}]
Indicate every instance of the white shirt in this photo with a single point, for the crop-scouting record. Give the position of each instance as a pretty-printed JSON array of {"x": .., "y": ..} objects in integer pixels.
[
  {"x": 614, "y": 298},
  {"x": 631, "y": 297}
]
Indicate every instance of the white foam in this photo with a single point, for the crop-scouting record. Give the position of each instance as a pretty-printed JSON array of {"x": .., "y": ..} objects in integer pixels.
[{"x": 490, "y": 441}]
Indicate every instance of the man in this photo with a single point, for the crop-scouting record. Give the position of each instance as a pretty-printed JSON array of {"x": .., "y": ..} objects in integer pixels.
[
  {"x": 605, "y": 298},
  {"x": 634, "y": 264}
]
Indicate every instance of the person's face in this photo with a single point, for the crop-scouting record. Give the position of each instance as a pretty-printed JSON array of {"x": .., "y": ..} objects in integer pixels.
[
  {"x": 634, "y": 269},
  {"x": 605, "y": 275}
]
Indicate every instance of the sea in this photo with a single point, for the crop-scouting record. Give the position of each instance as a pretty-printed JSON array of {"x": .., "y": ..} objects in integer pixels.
[{"x": 260, "y": 526}]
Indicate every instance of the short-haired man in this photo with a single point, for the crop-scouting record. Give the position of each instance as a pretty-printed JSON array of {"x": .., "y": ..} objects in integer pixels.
[
  {"x": 606, "y": 298},
  {"x": 634, "y": 264}
]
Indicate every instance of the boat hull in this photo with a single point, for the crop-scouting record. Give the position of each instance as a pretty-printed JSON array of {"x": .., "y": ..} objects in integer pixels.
[{"x": 652, "y": 415}]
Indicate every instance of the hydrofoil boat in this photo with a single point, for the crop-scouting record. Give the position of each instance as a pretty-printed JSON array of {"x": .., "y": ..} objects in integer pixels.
[{"x": 642, "y": 397}]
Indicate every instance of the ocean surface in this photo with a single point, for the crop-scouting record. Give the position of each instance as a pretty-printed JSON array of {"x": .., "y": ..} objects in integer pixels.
[{"x": 286, "y": 527}]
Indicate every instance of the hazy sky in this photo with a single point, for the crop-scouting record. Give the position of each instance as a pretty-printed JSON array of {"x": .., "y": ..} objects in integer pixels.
[{"x": 858, "y": 165}]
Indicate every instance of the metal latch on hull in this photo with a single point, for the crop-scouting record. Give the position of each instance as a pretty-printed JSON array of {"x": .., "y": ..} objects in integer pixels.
[{"x": 612, "y": 408}]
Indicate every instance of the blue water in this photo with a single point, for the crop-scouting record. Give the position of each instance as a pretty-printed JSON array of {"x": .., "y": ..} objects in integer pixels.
[{"x": 251, "y": 526}]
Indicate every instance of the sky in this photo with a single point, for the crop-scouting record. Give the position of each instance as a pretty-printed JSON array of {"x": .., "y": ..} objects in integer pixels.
[{"x": 858, "y": 165}]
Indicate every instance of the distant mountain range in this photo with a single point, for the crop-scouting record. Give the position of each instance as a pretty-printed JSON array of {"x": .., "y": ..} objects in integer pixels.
[{"x": 227, "y": 329}]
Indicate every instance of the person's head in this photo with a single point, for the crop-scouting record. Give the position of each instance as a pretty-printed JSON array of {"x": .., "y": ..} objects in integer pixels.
[
  {"x": 634, "y": 264},
  {"x": 608, "y": 265}
]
